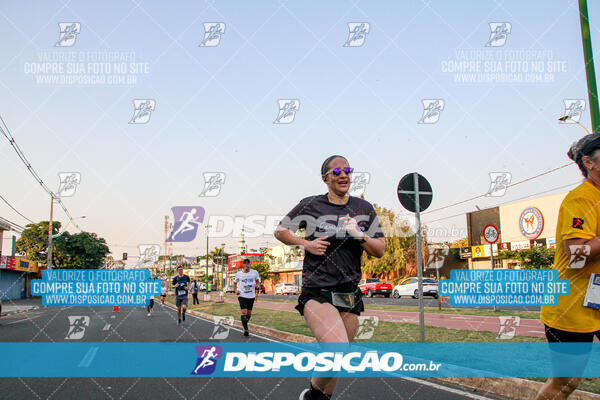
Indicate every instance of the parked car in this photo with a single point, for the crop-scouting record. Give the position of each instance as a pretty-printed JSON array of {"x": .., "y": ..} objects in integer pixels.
[
  {"x": 373, "y": 286},
  {"x": 229, "y": 289},
  {"x": 286, "y": 288},
  {"x": 410, "y": 287}
]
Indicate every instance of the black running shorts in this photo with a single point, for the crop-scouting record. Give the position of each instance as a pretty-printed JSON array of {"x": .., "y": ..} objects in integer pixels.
[
  {"x": 323, "y": 295},
  {"x": 246, "y": 304}
]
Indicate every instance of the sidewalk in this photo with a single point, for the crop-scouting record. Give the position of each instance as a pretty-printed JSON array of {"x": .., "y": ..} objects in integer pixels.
[
  {"x": 528, "y": 327},
  {"x": 20, "y": 305}
]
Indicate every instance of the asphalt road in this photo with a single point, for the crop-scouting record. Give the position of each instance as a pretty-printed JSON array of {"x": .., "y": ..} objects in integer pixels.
[{"x": 131, "y": 324}]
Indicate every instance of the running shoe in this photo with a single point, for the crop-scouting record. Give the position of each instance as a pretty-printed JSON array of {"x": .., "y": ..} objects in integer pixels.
[
  {"x": 246, "y": 333},
  {"x": 148, "y": 314},
  {"x": 178, "y": 322}
]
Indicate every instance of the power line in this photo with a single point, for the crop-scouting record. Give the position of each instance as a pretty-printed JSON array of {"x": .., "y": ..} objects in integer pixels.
[
  {"x": 15, "y": 146},
  {"x": 507, "y": 202},
  {"x": 15, "y": 210},
  {"x": 13, "y": 226},
  {"x": 507, "y": 186}
]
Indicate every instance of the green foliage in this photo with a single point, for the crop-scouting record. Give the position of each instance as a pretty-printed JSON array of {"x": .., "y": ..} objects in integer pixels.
[
  {"x": 33, "y": 242},
  {"x": 400, "y": 247},
  {"x": 263, "y": 270},
  {"x": 83, "y": 250},
  {"x": 537, "y": 257}
]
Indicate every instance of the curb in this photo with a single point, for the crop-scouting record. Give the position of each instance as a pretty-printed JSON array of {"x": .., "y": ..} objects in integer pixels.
[
  {"x": 5, "y": 313},
  {"x": 511, "y": 388}
]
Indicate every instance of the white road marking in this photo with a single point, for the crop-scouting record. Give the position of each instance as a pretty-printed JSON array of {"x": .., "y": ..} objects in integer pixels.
[
  {"x": 88, "y": 357},
  {"x": 106, "y": 327}
]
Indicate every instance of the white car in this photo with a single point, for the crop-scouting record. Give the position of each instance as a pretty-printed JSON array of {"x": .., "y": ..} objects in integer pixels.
[
  {"x": 286, "y": 288},
  {"x": 410, "y": 287}
]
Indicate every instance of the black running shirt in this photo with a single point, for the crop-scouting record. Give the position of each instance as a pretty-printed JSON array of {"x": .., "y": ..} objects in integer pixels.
[
  {"x": 182, "y": 282},
  {"x": 341, "y": 262}
]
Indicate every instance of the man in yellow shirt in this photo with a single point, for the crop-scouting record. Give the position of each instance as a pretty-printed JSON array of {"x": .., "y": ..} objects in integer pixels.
[{"x": 577, "y": 232}]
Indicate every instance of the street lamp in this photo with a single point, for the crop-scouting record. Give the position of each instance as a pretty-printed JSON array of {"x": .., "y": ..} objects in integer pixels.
[{"x": 566, "y": 117}]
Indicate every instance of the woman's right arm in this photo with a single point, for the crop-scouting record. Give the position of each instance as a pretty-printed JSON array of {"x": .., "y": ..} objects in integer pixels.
[{"x": 316, "y": 247}]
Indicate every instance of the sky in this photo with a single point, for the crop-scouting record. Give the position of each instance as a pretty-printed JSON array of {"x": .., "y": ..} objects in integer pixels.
[{"x": 214, "y": 106}]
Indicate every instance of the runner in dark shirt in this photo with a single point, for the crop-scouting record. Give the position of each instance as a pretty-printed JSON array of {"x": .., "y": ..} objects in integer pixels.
[
  {"x": 338, "y": 228},
  {"x": 180, "y": 284}
]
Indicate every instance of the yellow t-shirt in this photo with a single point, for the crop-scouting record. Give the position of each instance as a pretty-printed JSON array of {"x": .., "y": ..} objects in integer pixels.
[{"x": 578, "y": 218}]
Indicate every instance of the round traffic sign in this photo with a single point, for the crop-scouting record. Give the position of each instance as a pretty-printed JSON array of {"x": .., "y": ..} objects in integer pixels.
[
  {"x": 491, "y": 234},
  {"x": 409, "y": 186}
]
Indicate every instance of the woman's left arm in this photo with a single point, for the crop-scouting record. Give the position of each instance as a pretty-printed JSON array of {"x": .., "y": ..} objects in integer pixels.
[{"x": 373, "y": 246}]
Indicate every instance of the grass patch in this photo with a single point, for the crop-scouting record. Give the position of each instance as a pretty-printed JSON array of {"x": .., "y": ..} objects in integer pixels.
[
  {"x": 434, "y": 310},
  {"x": 385, "y": 331},
  {"x": 587, "y": 384}
]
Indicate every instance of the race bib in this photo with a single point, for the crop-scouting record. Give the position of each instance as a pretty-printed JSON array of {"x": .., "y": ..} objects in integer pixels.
[
  {"x": 181, "y": 292},
  {"x": 592, "y": 294},
  {"x": 247, "y": 288}
]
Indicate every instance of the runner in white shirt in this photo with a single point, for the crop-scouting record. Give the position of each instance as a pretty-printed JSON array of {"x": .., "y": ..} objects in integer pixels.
[{"x": 245, "y": 286}]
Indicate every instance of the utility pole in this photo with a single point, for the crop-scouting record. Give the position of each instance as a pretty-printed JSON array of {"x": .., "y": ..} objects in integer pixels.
[
  {"x": 206, "y": 276},
  {"x": 166, "y": 238},
  {"x": 589, "y": 65},
  {"x": 49, "y": 265}
]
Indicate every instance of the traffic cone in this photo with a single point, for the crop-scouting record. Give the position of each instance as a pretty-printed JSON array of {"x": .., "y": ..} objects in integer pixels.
[{"x": 115, "y": 308}]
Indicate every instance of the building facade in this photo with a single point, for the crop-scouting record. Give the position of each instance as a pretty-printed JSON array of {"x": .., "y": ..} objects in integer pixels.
[{"x": 521, "y": 224}]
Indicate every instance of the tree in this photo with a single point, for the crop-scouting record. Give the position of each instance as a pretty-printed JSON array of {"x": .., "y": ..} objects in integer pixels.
[
  {"x": 537, "y": 257},
  {"x": 33, "y": 242},
  {"x": 400, "y": 247},
  {"x": 84, "y": 250},
  {"x": 263, "y": 270},
  {"x": 464, "y": 242}
]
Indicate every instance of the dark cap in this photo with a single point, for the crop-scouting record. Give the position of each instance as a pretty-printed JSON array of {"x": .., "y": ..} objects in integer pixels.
[{"x": 584, "y": 147}]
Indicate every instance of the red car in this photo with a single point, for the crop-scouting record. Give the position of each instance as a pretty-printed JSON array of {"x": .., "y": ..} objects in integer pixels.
[{"x": 373, "y": 286}]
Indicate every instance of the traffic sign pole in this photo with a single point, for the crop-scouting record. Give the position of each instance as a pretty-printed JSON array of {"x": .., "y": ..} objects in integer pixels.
[
  {"x": 415, "y": 194},
  {"x": 419, "y": 257},
  {"x": 491, "y": 235}
]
